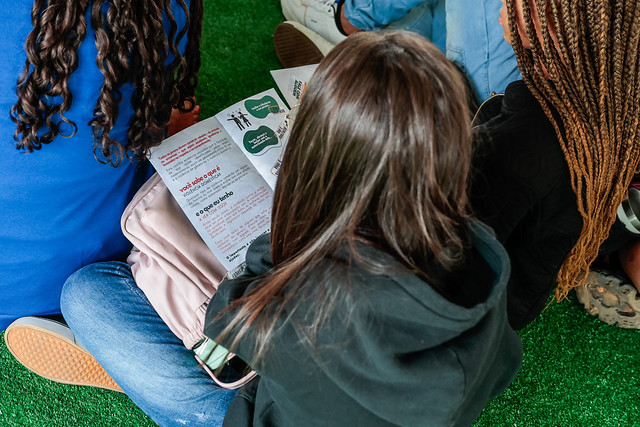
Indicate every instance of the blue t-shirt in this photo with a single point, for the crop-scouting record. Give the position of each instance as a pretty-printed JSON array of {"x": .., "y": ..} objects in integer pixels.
[{"x": 59, "y": 207}]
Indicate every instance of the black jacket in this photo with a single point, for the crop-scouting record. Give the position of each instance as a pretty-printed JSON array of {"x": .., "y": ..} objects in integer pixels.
[
  {"x": 521, "y": 187},
  {"x": 406, "y": 355}
]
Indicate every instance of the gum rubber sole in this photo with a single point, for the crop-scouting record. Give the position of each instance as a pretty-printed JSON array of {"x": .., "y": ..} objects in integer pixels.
[
  {"x": 294, "y": 48},
  {"x": 54, "y": 357}
]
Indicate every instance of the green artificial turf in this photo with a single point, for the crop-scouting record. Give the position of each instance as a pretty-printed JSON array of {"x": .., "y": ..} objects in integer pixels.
[
  {"x": 29, "y": 400},
  {"x": 577, "y": 371},
  {"x": 237, "y": 51}
]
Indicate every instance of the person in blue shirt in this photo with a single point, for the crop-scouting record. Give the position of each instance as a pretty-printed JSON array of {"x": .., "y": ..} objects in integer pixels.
[{"x": 87, "y": 88}]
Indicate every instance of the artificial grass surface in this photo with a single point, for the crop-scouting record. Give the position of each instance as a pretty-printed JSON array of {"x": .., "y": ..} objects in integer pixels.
[
  {"x": 29, "y": 400},
  {"x": 577, "y": 371}
]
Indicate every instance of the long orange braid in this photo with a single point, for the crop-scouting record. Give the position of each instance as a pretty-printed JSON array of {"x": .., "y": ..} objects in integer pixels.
[{"x": 583, "y": 67}]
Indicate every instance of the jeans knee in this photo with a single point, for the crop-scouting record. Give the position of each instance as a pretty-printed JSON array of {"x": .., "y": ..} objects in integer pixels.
[{"x": 84, "y": 292}]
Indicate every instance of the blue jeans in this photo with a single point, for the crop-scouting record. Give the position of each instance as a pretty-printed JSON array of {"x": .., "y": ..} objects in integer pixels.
[
  {"x": 467, "y": 31},
  {"x": 114, "y": 320}
]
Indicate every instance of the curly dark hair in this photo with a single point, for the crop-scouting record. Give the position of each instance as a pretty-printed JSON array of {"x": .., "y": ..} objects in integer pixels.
[{"x": 132, "y": 46}]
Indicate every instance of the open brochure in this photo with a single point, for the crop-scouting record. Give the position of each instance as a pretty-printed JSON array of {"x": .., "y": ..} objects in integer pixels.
[{"x": 222, "y": 172}]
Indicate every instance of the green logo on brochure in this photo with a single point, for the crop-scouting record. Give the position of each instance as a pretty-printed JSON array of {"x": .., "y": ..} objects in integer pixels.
[
  {"x": 260, "y": 108},
  {"x": 257, "y": 141}
]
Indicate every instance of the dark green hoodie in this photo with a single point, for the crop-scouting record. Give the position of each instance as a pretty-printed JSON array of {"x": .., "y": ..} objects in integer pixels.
[{"x": 403, "y": 356}]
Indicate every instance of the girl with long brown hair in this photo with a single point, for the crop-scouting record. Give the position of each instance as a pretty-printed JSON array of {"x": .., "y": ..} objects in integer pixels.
[
  {"x": 375, "y": 300},
  {"x": 557, "y": 161},
  {"x": 376, "y": 289},
  {"x": 86, "y": 85}
]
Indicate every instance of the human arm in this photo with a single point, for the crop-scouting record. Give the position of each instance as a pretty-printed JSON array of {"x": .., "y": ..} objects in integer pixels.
[
  {"x": 258, "y": 261},
  {"x": 181, "y": 120},
  {"x": 521, "y": 187}
]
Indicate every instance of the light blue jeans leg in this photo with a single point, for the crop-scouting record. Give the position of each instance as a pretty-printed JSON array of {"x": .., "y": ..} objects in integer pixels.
[
  {"x": 475, "y": 42},
  {"x": 117, "y": 324},
  {"x": 372, "y": 15},
  {"x": 425, "y": 17},
  {"x": 467, "y": 31}
]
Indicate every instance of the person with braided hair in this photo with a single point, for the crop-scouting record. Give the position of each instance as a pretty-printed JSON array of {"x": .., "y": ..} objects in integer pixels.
[
  {"x": 95, "y": 82},
  {"x": 556, "y": 162}
]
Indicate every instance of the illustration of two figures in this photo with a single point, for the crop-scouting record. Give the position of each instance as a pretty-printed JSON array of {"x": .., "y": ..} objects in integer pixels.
[{"x": 240, "y": 120}]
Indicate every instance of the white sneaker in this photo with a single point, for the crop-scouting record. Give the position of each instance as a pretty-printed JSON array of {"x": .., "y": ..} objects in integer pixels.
[
  {"x": 296, "y": 45},
  {"x": 317, "y": 15}
]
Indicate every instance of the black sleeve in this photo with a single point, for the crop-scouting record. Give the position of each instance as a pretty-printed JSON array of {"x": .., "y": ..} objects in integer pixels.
[
  {"x": 509, "y": 179},
  {"x": 521, "y": 187},
  {"x": 258, "y": 262}
]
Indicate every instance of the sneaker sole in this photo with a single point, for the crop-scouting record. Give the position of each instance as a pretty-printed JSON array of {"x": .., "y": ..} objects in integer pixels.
[
  {"x": 56, "y": 358},
  {"x": 626, "y": 294},
  {"x": 296, "y": 45}
]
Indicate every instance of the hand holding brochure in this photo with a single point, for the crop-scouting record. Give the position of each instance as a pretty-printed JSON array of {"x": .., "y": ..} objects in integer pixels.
[{"x": 222, "y": 172}]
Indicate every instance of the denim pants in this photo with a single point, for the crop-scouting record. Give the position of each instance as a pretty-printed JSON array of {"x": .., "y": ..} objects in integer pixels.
[
  {"x": 116, "y": 323},
  {"x": 467, "y": 31}
]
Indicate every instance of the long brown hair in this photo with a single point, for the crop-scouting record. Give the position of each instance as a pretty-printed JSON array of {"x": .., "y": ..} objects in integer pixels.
[
  {"x": 379, "y": 153},
  {"x": 132, "y": 47},
  {"x": 583, "y": 67}
]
